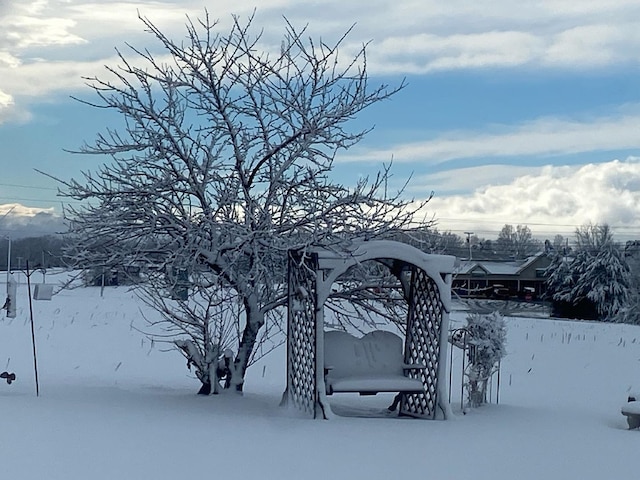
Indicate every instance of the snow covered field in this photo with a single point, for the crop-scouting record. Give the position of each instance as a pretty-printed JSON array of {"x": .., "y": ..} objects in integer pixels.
[{"x": 113, "y": 405}]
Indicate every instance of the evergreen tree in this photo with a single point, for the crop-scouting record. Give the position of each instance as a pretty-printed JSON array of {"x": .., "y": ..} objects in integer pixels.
[{"x": 592, "y": 282}]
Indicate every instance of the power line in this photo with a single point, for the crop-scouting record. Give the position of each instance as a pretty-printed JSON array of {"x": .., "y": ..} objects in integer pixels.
[
  {"x": 14, "y": 185},
  {"x": 22, "y": 199},
  {"x": 45, "y": 201},
  {"x": 525, "y": 223}
]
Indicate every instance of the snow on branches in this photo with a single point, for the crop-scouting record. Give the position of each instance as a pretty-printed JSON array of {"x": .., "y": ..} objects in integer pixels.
[
  {"x": 222, "y": 164},
  {"x": 483, "y": 340},
  {"x": 594, "y": 278}
]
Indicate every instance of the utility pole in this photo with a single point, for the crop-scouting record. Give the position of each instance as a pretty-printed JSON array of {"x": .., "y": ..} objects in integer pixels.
[
  {"x": 44, "y": 269},
  {"x": 8, "y": 237},
  {"x": 468, "y": 234},
  {"x": 8, "y": 259}
]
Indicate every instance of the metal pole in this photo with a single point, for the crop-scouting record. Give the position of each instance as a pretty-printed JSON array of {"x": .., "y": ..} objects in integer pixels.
[
  {"x": 450, "y": 369},
  {"x": 464, "y": 355},
  {"x": 8, "y": 260},
  {"x": 498, "y": 386},
  {"x": 33, "y": 333},
  {"x": 8, "y": 237},
  {"x": 490, "y": 389}
]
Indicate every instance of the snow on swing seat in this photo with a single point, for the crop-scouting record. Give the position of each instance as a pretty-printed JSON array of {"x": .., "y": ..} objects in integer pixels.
[{"x": 367, "y": 365}]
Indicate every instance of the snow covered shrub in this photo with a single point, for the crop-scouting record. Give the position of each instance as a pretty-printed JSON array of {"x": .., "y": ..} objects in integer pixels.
[
  {"x": 592, "y": 282},
  {"x": 486, "y": 336}
]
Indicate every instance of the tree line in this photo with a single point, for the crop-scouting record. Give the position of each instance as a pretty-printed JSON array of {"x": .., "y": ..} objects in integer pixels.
[
  {"x": 41, "y": 252},
  {"x": 511, "y": 243}
]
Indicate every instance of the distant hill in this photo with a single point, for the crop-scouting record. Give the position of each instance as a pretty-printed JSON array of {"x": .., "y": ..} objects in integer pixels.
[{"x": 37, "y": 225}]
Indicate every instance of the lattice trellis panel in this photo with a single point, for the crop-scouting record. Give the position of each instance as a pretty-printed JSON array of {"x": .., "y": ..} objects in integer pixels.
[
  {"x": 301, "y": 326},
  {"x": 422, "y": 346}
]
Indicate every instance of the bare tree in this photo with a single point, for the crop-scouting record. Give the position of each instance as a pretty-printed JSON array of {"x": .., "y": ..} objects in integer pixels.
[
  {"x": 631, "y": 311},
  {"x": 517, "y": 242},
  {"x": 222, "y": 165},
  {"x": 560, "y": 243}
]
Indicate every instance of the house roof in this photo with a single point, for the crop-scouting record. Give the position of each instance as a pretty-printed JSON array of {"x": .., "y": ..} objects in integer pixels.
[{"x": 466, "y": 267}]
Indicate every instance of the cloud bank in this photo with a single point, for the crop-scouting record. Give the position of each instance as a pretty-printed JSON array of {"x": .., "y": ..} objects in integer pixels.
[
  {"x": 19, "y": 221},
  {"x": 409, "y": 37},
  {"x": 542, "y": 136},
  {"x": 550, "y": 200}
]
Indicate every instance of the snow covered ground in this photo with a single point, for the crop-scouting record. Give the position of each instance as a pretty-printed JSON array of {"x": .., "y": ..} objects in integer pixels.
[{"x": 113, "y": 405}]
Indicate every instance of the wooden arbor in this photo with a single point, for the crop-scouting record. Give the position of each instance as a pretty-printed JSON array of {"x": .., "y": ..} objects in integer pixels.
[{"x": 426, "y": 283}]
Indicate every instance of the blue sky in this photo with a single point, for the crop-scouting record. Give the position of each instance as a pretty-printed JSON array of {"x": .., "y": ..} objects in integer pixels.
[{"x": 514, "y": 112}]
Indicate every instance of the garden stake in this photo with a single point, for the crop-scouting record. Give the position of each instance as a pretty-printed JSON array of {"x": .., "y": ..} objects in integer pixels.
[{"x": 33, "y": 333}]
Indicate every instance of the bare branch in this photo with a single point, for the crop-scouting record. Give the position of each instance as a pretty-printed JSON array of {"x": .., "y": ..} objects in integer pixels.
[{"x": 221, "y": 164}]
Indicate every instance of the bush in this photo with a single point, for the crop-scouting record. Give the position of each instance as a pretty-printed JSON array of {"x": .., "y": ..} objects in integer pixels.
[
  {"x": 486, "y": 339},
  {"x": 592, "y": 282}
]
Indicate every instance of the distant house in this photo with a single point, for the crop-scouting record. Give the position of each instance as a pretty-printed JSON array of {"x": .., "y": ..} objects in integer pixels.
[
  {"x": 496, "y": 279},
  {"x": 112, "y": 276}
]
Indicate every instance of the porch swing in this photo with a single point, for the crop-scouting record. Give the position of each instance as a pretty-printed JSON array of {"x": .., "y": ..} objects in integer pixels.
[{"x": 322, "y": 363}]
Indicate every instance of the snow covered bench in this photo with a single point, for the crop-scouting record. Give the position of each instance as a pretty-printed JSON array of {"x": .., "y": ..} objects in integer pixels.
[
  {"x": 631, "y": 410},
  {"x": 367, "y": 365}
]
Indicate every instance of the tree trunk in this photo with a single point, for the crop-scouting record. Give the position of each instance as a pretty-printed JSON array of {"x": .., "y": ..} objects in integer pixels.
[
  {"x": 206, "y": 366},
  {"x": 205, "y": 389},
  {"x": 255, "y": 320}
]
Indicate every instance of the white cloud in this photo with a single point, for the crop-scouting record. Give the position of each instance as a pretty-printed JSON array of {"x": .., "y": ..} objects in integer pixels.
[
  {"x": 101, "y": 19},
  {"x": 423, "y": 37},
  {"x": 550, "y": 200},
  {"x": 45, "y": 46},
  {"x": 409, "y": 36},
  {"x": 594, "y": 45},
  {"x": 27, "y": 32},
  {"x": 8, "y": 60},
  {"x": 5, "y": 100},
  {"x": 424, "y": 53},
  {"x": 583, "y": 47},
  {"x": 19, "y": 210},
  {"x": 41, "y": 78},
  {"x": 467, "y": 179},
  {"x": 36, "y": 24},
  {"x": 544, "y": 136},
  {"x": 9, "y": 112},
  {"x": 590, "y": 8},
  {"x": 20, "y": 221}
]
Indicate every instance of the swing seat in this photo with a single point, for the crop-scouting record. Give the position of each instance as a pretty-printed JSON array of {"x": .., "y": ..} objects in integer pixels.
[{"x": 367, "y": 365}]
